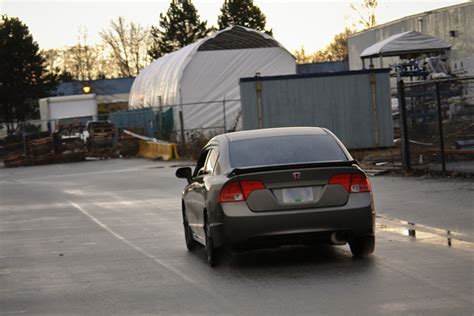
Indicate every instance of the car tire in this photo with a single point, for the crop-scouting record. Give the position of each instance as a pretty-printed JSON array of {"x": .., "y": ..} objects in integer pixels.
[
  {"x": 191, "y": 244},
  {"x": 362, "y": 246},
  {"x": 210, "y": 250}
]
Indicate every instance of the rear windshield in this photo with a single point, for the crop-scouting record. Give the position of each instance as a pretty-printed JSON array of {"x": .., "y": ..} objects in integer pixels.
[{"x": 280, "y": 150}]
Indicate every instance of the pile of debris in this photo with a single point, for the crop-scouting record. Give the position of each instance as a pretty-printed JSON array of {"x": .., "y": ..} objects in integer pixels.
[
  {"x": 69, "y": 148},
  {"x": 44, "y": 148},
  {"x": 101, "y": 139},
  {"x": 38, "y": 150},
  {"x": 129, "y": 145},
  {"x": 12, "y": 151},
  {"x": 68, "y": 143},
  {"x": 15, "y": 158}
]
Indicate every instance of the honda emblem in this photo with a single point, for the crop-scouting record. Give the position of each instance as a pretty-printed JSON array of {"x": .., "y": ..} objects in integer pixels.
[{"x": 296, "y": 175}]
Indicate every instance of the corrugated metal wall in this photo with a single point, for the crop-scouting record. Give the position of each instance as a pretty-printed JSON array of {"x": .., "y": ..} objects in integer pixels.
[
  {"x": 329, "y": 66},
  {"x": 142, "y": 118},
  {"x": 341, "y": 102}
]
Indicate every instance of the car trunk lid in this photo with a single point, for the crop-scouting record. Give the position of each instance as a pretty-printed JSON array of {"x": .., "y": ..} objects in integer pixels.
[{"x": 296, "y": 187}]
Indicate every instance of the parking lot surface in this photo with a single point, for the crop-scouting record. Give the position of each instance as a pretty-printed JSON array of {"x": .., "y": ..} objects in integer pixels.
[{"x": 105, "y": 237}]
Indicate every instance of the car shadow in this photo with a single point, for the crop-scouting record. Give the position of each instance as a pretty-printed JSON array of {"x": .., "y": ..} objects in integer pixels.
[{"x": 294, "y": 257}]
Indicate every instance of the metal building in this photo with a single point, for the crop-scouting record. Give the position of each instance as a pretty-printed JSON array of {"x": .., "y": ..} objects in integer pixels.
[
  {"x": 453, "y": 24},
  {"x": 322, "y": 67},
  {"x": 355, "y": 105},
  {"x": 206, "y": 73}
]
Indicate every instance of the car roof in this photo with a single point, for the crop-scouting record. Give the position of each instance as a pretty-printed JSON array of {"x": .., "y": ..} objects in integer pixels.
[{"x": 272, "y": 132}]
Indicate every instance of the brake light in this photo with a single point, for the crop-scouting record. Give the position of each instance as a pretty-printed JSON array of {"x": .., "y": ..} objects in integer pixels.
[
  {"x": 237, "y": 191},
  {"x": 342, "y": 179},
  {"x": 352, "y": 183},
  {"x": 360, "y": 183},
  {"x": 250, "y": 186},
  {"x": 231, "y": 192}
]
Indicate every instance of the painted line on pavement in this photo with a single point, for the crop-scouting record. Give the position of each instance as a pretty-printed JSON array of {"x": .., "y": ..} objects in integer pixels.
[{"x": 139, "y": 249}]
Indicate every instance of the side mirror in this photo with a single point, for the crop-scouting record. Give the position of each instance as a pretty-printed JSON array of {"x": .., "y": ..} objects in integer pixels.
[
  {"x": 201, "y": 172},
  {"x": 184, "y": 173}
]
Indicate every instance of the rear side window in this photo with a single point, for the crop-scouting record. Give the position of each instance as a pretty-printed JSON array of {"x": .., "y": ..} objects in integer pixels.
[
  {"x": 211, "y": 161},
  {"x": 280, "y": 150},
  {"x": 200, "y": 163}
]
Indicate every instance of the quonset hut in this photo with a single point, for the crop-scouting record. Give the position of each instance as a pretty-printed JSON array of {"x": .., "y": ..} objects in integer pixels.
[{"x": 198, "y": 78}]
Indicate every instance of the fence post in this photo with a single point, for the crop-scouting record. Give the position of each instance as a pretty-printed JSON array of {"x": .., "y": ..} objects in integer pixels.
[
  {"x": 223, "y": 109},
  {"x": 23, "y": 134},
  {"x": 440, "y": 125},
  {"x": 405, "y": 142},
  {"x": 373, "y": 94},
  {"x": 258, "y": 90},
  {"x": 182, "y": 129},
  {"x": 161, "y": 117}
]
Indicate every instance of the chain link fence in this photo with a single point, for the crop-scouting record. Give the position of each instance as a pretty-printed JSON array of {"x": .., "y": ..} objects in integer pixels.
[
  {"x": 107, "y": 135},
  {"x": 437, "y": 125}
]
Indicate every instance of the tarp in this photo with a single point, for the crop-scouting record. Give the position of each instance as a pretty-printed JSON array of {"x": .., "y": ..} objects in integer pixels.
[
  {"x": 209, "y": 71},
  {"x": 143, "y": 118},
  {"x": 405, "y": 43}
]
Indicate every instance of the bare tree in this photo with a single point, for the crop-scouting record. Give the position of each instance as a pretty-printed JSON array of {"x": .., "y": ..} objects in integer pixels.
[
  {"x": 367, "y": 13},
  {"x": 54, "y": 64},
  {"x": 52, "y": 60},
  {"x": 81, "y": 59},
  {"x": 106, "y": 67},
  {"x": 128, "y": 43}
]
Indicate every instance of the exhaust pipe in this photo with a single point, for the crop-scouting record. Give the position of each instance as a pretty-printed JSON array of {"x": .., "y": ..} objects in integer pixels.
[{"x": 339, "y": 238}]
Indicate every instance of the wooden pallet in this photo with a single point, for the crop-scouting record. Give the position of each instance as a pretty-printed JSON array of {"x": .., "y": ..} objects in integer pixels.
[{"x": 15, "y": 159}]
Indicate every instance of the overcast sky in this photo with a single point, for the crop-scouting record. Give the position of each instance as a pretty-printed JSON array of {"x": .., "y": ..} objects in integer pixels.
[{"x": 308, "y": 23}]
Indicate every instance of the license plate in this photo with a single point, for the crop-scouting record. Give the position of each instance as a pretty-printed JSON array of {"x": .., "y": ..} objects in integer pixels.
[{"x": 297, "y": 195}]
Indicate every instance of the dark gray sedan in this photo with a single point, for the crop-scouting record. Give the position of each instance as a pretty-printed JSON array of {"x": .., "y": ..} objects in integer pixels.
[{"x": 279, "y": 186}]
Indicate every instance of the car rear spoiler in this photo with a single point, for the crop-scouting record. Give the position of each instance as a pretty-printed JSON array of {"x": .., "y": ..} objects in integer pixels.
[{"x": 348, "y": 163}]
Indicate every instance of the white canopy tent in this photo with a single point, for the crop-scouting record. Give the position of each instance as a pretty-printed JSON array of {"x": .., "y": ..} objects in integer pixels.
[
  {"x": 202, "y": 75},
  {"x": 406, "y": 43}
]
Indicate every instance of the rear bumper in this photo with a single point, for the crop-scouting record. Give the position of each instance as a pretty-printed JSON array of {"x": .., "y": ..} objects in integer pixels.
[{"x": 240, "y": 226}]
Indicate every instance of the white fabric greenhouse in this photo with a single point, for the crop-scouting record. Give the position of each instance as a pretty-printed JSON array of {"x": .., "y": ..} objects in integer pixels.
[{"x": 200, "y": 76}]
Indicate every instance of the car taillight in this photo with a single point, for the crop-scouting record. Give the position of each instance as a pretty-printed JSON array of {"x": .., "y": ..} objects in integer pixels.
[
  {"x": 251, "y": 185},
  {"x": 352, "y": 183},
  {"x": 237, "y": 191},
  {"x": 360, "y": 183},
  {"x": 342, "y": 179},
  {"x": 231, "y": 192}
]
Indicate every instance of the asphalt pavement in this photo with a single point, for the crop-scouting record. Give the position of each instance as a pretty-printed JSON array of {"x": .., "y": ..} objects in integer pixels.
[{"x": 105, "y": 237}]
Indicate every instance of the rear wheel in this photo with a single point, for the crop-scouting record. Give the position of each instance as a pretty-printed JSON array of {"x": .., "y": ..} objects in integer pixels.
[
  {"x": 191, "y": 244},
  {"x": 362, "y": 246},
  {"x": 210, "y": 250}
]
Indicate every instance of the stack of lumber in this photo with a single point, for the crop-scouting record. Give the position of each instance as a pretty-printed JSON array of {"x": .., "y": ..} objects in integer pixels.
[
  {"x": 40, "y": 151},
  {"x": 71, "y": 128},
  {"x": 102, "y": 137},
  {"x": 128, "y": 145},
  {"x": 15, "y": 159},
  {"x": 69, "y": 149},
  {"x": 100, "y": 142},
  {"x": 12, "y": 153}
]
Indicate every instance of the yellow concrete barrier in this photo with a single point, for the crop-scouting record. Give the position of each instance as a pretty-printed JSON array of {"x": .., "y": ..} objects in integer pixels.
[{"x": 153, "y": 150}]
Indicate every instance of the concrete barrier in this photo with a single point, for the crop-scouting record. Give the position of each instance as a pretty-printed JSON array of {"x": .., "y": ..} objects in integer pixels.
[{"x": 154, "y": 150}]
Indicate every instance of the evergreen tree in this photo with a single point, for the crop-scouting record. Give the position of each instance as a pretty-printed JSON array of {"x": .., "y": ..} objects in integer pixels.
[
  {"x": 23, "y": 75},
  {"x": 180, "y": 26},
  {"x": 243, "y": 13}
]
